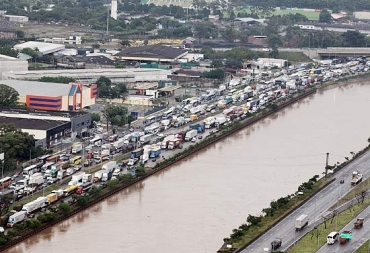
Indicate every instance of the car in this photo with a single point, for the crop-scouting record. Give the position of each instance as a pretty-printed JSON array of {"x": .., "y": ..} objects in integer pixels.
[
  {"x": 103, "y": 185},
  {"x": 200, "y": 137}
]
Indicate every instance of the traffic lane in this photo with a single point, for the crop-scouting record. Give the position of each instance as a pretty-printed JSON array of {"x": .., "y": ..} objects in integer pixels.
[
  {"x": 319, "y": 204},
  {"x": 360, "y": 236}
]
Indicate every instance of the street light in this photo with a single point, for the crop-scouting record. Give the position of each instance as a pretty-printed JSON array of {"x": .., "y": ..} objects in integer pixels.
[{"x": 2, "y": 168}]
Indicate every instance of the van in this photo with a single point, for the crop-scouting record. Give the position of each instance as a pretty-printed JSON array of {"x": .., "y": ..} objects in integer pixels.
[{"x": 332, "y": 238}]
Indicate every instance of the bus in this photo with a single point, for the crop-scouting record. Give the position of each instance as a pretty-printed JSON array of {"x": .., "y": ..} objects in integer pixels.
[
  {"x": 43, "y": 158},
  {"x": 168, "y": 113},
  {"x": 232, "y": 92},
  {"x": 5, "y": 182},
  {"x": 77, "y": 160},
  {"x": 97, "y": 141},
  {"x": 30, "y": 170},
  {"x": 149, "y": 120},
  {"x": 53, "y": 158},
  {"x": 47, "y": 166}
]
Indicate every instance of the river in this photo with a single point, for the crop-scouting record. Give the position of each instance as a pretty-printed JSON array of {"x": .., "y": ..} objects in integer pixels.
[{"x": 192, "y": 205}]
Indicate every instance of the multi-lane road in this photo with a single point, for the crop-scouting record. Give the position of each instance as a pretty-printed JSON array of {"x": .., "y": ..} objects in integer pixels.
[
  {"x": 360, "y": 236},
  {"x": 315, "y": 208}
]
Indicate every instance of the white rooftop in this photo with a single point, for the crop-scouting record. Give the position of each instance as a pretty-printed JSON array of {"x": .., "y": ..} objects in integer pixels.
[
  {"x": 38, "y": 88},
  {"x": 44, "y": 48}
]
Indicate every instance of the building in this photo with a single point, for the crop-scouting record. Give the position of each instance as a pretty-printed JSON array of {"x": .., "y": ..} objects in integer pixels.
[
  {"x": 16, "y": 19},
  {"x": 113, "y": 12},
  {"x": 246, "y": 22},
  {"x": 72, "y": 40},
  {"x": 270, "y": 62},
  {"x": 42, "y": 47},
  {"x": 48, "y": 128},
  {"x": 9, "y": 65},
  {"x": 151, "y": 53},
  {"x": 54, "y": 96},
  {"x": 89, "y": 76},
  {"x": 7, "y": 33}
]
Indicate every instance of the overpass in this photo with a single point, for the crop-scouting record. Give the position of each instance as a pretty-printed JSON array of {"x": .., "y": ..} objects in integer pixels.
[{"x": 326, "y": 53}]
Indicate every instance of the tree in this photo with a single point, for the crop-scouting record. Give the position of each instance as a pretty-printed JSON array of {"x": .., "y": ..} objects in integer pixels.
[
  {"x": 125, "y": 43},
  {"x": 113, "y": 184},
  {"x": 354, "y": 39},
  {"x": 58, "y": 79},
  {"x": 8, "y": 96},
  {"x": 95, "y": 117},
  {"x": 116, "y": 114},
  {"x": 325, "y": 16},
  {"x": 64, "y": 208},
  {"x": 95, "y": 191},
  {"x": 82, "y": 200},
  {"x": 95, "y": 45}
]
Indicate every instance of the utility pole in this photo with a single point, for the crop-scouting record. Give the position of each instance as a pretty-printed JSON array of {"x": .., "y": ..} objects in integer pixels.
[{"x": 326, "y": 164}]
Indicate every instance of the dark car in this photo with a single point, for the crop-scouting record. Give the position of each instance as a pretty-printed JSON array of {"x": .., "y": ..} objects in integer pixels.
[
  {"x": 276, "y": 243},
  {"x": 103, "y": 185}
]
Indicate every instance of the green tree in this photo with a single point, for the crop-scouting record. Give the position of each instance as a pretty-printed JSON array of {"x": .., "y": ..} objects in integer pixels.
[
  {"x": 325, "y": 16},
  {"x": 140, "y": 172},
  {"x": 95, "y": 45},
  {"x": 58, "y": 79},
  {"x": 82, "y": 200},
  {"x": 64, "y": 208},
  {"x": 116, "y": 114},
  {"x": 95, "y": 191},
  {"x": 113, "y": 184},
  {"x": 125, "y": 43},
  {"x": 8, "y": 96},
  {"x": 95, "y": 117},
  {"x": 354, "y": 39}
]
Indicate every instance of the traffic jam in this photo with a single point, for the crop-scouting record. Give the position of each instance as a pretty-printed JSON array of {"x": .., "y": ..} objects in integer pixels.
[{"x": 161, "y": 135}]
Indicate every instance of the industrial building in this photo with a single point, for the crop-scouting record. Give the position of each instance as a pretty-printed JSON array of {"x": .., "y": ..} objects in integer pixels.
[
  {"x": 42, "y": 47},
  {"x": 54, "y": 96},
  {"x": 152, "y": 53},
  {"x": 89, "y": 76},
  {"x": 9, "y": 65},
  {"x": 48, "y": 128}
]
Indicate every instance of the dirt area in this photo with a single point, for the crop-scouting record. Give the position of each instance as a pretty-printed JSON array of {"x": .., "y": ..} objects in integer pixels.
[
  {"x": 62, "y": 31},
  {"x": 362, "y": 15}
]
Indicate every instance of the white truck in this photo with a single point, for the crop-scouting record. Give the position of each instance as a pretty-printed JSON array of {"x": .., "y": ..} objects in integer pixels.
[
  {"x": 16, "y": 218},
  {"x": 145, "y": 138},
  {"x": 108, "y": 170},
  {"x": 61, "y": 174},
  {"x": 36, "y": 179},
  {"x": 35, "y": 205},
  {"x": 301, "y": 222},
  {"x": 76, "y": 178},
  {"x": 119, "y": 144},
  {"x": 98, "y": 175},
  {"x": 76, "y": 148},
  {"x": 59, "y": 193},
  {"x": 220, "y": 120},
  {"x": 86, "y": 178},
  {"x": 70, "y": 171},
  {"x": 191, "y": 134}
]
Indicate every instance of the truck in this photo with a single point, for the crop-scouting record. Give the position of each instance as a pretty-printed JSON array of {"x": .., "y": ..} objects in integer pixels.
[
  {"x": 70, "y": 189},
  {"x": 191, "y": 134},
  {"x": 155, "y": 152},
  {"x": 345, "y": 236},
  {"x": 132, "y": 161},
  {"x": 86, "y": 178},
  {"x": 137, "y": 153},
  {"x": 301, "y": 222},
  {"x": 85, "y": 187},
  {"x": 97, "y": 176},
  {"x": 356, "y": 178},
  {"x": 51, "y": 198},
  {"x": 59, "y": 192},
  {"x": 209, "y": 122},
  {"x": 76, "y": 148},
  {"x": 35, "y": 205},
  {"x": 220, "y": 120},
  {"x": 179, "y": 122},
  {"x": 70, "y": 171},
  {"x": 61, "y": 174},
  {"x": 110, "y": 166},
  {"x": 76, "y": 178},
  {"x": 119, "y": 144},
  {"x": 200, "y": 126},
  {"x": 36, "y": 179},
  {"x": 16, "y": 218},
  {"x": 107, "y": 175},
  {"x": 174, "y": 144},
  {"x": 359, "y": 223},
  {"x": 145, "y": 138},
  {"x": 55, "y": 169}
]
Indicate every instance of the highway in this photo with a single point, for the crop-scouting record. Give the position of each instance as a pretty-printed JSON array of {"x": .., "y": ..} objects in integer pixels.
[
  {"x": 359, "y": 236},
  {"x": 315, "y": 208}
]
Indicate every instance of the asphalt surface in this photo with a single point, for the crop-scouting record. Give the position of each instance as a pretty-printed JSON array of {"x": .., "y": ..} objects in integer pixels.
[
  {"x": 360, "y": 236},
  {"x": 315, "y": 208}
]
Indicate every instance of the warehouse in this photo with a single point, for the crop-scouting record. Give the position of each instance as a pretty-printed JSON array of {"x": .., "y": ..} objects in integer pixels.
[
  {"x": 48, "y": 128},
  {"x": 42, "y": 47},
  {"x": 54, "y": 96},
  {"x": 151, "y": 53},
  {"x": 9, "y": 65}
]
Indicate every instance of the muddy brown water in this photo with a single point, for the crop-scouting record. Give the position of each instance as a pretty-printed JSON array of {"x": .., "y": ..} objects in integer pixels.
[{"x": 192, "y": 205}]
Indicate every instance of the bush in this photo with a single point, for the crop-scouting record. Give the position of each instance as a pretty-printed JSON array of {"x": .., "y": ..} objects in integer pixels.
[
  {"x": 113, "y": 184},
  {"x": 64, "y": 208},
  {"x": 33, "y": 223}
]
